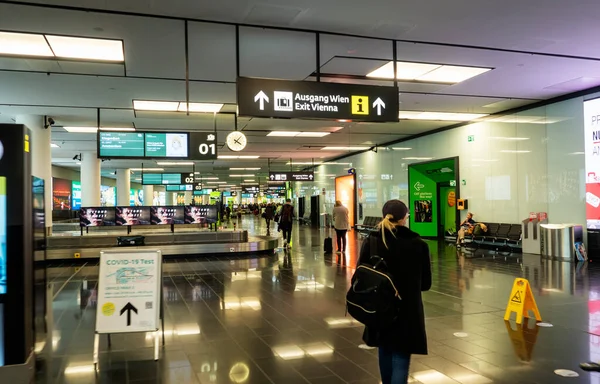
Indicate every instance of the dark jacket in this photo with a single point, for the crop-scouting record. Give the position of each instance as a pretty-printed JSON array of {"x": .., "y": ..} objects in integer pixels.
[{"x": 408, "y": 262}]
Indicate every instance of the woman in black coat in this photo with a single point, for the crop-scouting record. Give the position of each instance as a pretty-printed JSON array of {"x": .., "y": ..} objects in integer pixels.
[{"x": 408, "y": 261}]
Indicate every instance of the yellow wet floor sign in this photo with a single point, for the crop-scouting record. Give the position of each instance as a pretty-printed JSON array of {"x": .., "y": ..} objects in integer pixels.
[{"x": 521, "y": 301}]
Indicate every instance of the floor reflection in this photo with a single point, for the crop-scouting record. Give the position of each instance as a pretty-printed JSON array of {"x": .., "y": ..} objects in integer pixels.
[{"x": 281, "y": 319}]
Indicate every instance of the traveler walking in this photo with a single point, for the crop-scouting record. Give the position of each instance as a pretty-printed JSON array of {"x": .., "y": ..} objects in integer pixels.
[
  {"x": 341, "y": 223},
  {"x": 407, "y": 259},
  {"x": 285, "y": 222},
  {"x": 268, "y": 215}
]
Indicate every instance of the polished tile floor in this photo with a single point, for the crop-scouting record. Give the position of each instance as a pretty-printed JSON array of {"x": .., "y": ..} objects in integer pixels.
[{"x": 281, "y": 319}]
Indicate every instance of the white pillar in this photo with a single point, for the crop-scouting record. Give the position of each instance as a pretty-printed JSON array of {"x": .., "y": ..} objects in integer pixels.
[
  {"x": 148, "y": 195},
  {"x": 41, "y": 159},
  {"x": 123, "y": 187},
  {"x": 90, "y": 180},
  {"x": 188, "y": 197}
]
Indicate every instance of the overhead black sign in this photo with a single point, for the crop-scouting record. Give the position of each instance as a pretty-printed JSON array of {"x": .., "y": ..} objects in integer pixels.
[
  {"x": 203, "y": 146},
  {"x": 250, "y": 188},
  {"x": 291, "y": 176},
  {"x": 312, "y": 100}
]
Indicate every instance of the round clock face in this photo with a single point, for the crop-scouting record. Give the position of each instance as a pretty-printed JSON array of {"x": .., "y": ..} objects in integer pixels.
[{"x": 236, "y": 141}]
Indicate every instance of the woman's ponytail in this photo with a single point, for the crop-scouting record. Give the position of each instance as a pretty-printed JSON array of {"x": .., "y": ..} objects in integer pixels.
[{"x": 388, "y": 224}]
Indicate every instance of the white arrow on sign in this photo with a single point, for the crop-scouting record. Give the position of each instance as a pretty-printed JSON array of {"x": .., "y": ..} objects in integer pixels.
[
  {"x": 261, "y": 97},
  {"x": 310, "y": 177},
  {"x": 379, "y": 104},
  {"x": 272, "y": 177}
]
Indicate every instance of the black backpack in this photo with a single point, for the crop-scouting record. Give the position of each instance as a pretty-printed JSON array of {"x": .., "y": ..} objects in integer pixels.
[{"x": 373, "y": 298}]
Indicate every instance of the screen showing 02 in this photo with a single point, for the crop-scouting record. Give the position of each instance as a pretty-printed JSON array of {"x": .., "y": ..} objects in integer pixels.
[
  {"x": 166, "y": 145},
  {"x": 3, "y": 240}
]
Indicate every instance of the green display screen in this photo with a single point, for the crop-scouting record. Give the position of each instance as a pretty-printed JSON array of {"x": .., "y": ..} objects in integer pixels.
[
  {"x": 121, "y": 144},
  {"x": 152, "y": 179},
  {"x": 166, "y": 145}
]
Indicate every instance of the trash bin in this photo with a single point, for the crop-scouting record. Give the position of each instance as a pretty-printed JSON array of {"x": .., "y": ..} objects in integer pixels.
[
  {"x": 531, "y": 235},
  {"x": 558, "y": 241}
]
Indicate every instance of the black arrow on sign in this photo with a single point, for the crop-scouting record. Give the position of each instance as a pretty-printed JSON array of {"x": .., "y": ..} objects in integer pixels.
[{"x": 129, "y": 307}]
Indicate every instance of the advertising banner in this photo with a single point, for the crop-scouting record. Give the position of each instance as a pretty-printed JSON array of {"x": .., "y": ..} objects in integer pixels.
[
  {"x": 76, "y": 195},
  {"x": 61, "y": 194},
  {"x": 345, "y": 191},
  {"x": 96, "y": 217},
  {"x": 132, "y": 215},
  {"x": 108, "y": 196},
  {"x": 592, "y": 162},
  {"x": 167, "y": 215},
  {"x": 422, "y": 203},
  {"x": 203, "y": 214},
  {"x": 129, "y": 292}
]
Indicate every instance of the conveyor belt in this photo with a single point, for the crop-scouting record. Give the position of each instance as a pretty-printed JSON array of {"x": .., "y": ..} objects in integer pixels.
[{"x": 253, "y": 245}]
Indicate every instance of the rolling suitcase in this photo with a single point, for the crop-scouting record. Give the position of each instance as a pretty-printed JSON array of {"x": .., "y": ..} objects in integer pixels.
[{"x": 328, "y": 245}]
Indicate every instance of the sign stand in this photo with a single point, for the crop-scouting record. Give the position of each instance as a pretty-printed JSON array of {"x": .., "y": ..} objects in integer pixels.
[
  {"x": 130, "y": 296},
  {"x": 521, "y": 302}
]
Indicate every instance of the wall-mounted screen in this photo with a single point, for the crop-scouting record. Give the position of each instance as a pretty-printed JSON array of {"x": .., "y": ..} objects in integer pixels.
[
  {"x": 346, "y": 193},
  {"x": 592, "y": 162},
  {"x": 120, "y": 144},
  {"x": 167, "y": 215},
  {"x": 167, "y": 145},
  {"x": 163, "y": 179},
  {"x": 96, "y": 216},
  {"x": 132, "y": 215},
  {"x": 3, "y": 254},
  {"x": 61, "y": 194}
]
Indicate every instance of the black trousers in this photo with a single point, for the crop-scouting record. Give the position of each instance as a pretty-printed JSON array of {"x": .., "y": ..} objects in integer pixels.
[
  {"x": 340, "y": 235},
  {"x": 287, "y": 232}
]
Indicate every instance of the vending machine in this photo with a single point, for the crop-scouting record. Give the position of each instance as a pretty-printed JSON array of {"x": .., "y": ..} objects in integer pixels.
[{"x": 16, "y": 254}]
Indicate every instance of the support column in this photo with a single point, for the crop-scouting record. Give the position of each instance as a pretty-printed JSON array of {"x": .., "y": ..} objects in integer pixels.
[
  {"x": 123, "y": 187},
  {"x": 149, "y": 196},
  {"x": 90, "y": 180},
  {"x": 41, "y": 159}
]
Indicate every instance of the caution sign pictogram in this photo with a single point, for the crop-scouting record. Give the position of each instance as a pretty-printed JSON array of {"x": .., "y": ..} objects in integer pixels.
[
  {"x": 522, "y": 302},
  {"x": 516, "y": 298}
]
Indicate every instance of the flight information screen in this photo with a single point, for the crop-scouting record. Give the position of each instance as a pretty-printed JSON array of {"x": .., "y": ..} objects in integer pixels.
[
  {"x": 152, "y": 179},
  {"x": 121, "y": 144},
  {"x": 171, "y": 178},
  {"x": 167, "y": 145}
]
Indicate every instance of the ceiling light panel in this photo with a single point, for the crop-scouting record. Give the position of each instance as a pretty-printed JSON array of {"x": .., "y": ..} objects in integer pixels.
[
  {"x": 175, "y": 163},
  {"x": 24, "y": 44},
  {"x": 283, "y": 134},
  {"x": 452, "y": 74},
  {"x": 81, "y": 129},
  {"x": 424, "y": 72},
  {"x": 163, "y": 106},
  {"x": 200, "y": 107},
  {"x": 313, "y": 134},
  {"x": 86, "y": 49}
]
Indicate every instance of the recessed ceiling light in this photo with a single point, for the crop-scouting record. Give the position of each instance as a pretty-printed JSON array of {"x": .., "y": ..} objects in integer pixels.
[
  {"x": 283, "y": 134},
  {"x": 207, "y": 178},
  {"x": 88, "y": 49},
  {"x": 147, "y": 169},
  {"x": 304, "y": 163},
  {"x": 95, "y": 129},
  {"x": 345, "y": 148},
  {"x": 52, "y": 145},
  {"x": 148, "y": 105},
  {"x": 200, "y": 107},
  {"x": 249, "y": 181},
  {"x": 24, "y": 44},
  {"x": 404, "y": 70},
  {"x": 174, "y": 163},
  {"x": 216, "y": 182},
  {"x": 313, "y": 134},
  {"x": 443, "y": 116},
  {"x": 425, "y": 72},
  {"x": 577, "y": 153},
  {"x": 241, "y": 175},
  {"x": 401, "y": 149}
]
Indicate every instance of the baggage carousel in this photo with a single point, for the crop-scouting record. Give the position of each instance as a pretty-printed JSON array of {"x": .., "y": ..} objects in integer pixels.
[{"x": 70, "y": 246}]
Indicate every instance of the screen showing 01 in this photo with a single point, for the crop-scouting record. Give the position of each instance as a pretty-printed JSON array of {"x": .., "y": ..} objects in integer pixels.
[{"x": 3, "y": 235}]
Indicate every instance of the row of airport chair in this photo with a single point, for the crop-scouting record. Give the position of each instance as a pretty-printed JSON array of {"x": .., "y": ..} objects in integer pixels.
[{"x": 501, "y": 237}]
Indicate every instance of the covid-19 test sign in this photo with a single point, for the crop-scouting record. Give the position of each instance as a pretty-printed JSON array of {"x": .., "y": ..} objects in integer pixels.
[{"x": 592, "y": 162}]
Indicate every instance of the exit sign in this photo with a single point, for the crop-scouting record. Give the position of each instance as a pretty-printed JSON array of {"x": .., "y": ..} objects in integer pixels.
[{"x": 471, "y": 138}]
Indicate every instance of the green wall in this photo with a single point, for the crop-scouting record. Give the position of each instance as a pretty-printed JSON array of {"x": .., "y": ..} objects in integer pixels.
[{"x": 448, "y": 212}]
